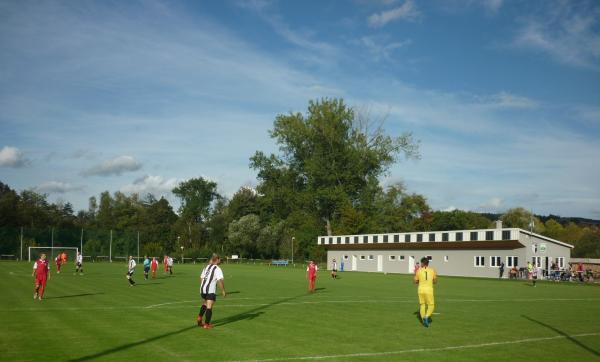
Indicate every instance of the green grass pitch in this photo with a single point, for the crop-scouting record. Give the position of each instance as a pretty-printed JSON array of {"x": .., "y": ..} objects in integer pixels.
[{"x": 270, "y": 316}]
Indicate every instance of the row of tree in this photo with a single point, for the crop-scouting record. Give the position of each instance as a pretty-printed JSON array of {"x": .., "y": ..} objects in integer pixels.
[{"x": 325, "y": 180}]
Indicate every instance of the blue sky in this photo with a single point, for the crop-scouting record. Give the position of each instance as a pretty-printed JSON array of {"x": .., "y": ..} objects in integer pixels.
[{"x": 138, "y": 96}]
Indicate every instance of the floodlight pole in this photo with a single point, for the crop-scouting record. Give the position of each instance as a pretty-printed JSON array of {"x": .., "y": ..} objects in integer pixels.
[
  {"x": 52, "y": 250},
  {"x": 81, "y": 242},
  {"x": 21, "y": 243},
  {"x": 138, "y": 258},
  {"x": 110, "y": 248},
  {"x": 293, "y": 238}
]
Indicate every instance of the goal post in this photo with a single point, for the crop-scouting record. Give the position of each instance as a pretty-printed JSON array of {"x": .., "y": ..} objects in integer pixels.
[{"x": 31, "y": 251}]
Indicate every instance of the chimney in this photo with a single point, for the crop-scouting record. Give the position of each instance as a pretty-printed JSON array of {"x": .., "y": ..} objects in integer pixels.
[{"x": 498, "y": 224}]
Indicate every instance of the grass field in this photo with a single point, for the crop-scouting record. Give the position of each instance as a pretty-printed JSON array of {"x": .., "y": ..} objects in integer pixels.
[{"x": 270, "y": 316}]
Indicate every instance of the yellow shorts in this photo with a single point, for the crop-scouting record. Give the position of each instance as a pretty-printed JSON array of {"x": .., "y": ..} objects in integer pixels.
[{"x": 426, "y": 297}]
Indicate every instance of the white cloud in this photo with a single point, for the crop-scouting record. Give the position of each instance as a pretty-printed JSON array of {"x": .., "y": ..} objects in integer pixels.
[
  {"x": 380, "y": 49},
  {"x": 566, "y": 33},
  {"x": 492, "y": 5},
  {"x": 115, "y": 166},
  {"x": 508, "y": 100},
  {"x": 406, "y": 11},
  {"x": 57, "y": 187},
  {"x": 12, "y": 157},
  {"x": 155, "y": 185}
]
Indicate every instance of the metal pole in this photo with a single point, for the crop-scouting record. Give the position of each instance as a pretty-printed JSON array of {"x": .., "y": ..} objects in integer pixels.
[
  {"x": 52, "y": 250},
  {"x": 21, "y": 243},
  {"x": 110, "y": 248},
  {"x": 138, "y": 258},
  {"x": 293, "y": 238},
  {"x": 81, "y": 242}
]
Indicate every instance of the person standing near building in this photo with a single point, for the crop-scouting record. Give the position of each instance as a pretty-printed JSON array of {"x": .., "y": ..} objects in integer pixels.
[
  {"x": 58, "y": 261},
  {"x": 154, "y": 267},
  {"x": 530, "y": 271},
  {"x": 334, "y": 269},
  {"x": 580, "y": 271},
  {"x": 209, "y": 278},
  {"x": 79, "y": 263},
  {"x": 311, "y": 275},
  {"x": 417, "y": 266},
  {"x": 425, "y": 277},
  {"x": 41, "y": 272},
  {"x": 170, "y": 265},
  {"x": 501, "y": 270},
  {"x": 130, "y": 270}
]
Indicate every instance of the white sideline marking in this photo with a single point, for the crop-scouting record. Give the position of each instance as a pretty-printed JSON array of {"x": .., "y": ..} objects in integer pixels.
[
  {"x": 449, "y": 348},
  {"x": 225, "y": 305}
]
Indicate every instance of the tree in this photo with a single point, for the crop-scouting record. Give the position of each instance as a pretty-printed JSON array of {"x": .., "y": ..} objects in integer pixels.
[
  {"x": 331, "y": 158},
  {"x": 243, "y": 234},
  {"x": 196, "y": 196},
  {"x": 521, "y": 218}
]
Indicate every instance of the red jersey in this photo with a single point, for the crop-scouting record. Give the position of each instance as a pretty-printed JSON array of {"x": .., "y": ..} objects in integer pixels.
[
  {"x": 58, "y": 260},
  {"x": 41, "y": 268},
  {"x": 154, "y": 264},
  {"x": 312, "y": 270}
]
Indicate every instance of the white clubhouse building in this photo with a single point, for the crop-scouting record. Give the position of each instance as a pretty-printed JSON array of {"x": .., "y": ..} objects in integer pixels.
[{"x": 477, "y": 253}]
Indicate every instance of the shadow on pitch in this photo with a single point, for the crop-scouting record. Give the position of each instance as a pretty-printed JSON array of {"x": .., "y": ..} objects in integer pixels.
[
  {"x": 74, "y": 295},
  {"x": 252, "y": 313},
  {"x": 130, "y": 345},
  {"x": 593, "y": 351}
]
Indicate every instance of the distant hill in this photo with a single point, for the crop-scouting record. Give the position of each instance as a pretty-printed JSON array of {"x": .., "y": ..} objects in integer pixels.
[{"x": 581, "y": 221}]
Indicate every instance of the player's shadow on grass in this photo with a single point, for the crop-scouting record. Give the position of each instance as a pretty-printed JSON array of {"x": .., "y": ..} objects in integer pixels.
[
  {"x": 252, "y": 313},
  {"x": 234, "y": 292},
  {"x": 74, "y": 295},
  {"x": 143, "y": 284},
  {"x": 593, "y": 351},
  {"x": 130, "y": 345}
]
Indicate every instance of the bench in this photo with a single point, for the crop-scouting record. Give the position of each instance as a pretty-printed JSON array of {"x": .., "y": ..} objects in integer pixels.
[{"x": 279, "y": 262}]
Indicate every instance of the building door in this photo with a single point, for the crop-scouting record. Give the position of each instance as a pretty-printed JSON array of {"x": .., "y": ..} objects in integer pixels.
[
  {"x": 411, "y": 264},
  {"x": 353, "y": 262},
  {"x": 547, "y": 265},
  {"x": 379, "y": 263}
]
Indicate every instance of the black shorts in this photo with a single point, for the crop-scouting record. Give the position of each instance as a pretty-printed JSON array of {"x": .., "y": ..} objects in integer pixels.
[
  {"x": 129, "y": 273},
  {"x": 209, "y": 296},
  {"x": 78, "y": 265},
  {"x": 334, "y": 270},
  {"x": 146, "y": 269}
]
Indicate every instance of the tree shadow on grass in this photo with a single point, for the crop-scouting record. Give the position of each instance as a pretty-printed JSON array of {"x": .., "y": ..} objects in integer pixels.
[
  {"x": 73, "y": 295},
  {"x": 130, "y": 345},
  {"x": 593, "y": 351}
]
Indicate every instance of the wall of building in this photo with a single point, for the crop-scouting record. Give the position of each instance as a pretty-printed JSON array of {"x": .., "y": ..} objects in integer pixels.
[
  {"x": 546, "y": 250},
  {"x": 446, "y": 262}
]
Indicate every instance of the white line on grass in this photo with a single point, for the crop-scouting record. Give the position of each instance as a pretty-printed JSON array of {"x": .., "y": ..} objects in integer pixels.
[{"x": 415, "y": 350}]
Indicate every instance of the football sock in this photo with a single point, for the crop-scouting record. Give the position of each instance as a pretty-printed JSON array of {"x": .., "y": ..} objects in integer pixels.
[
  {"x": 430, "y": 308},
  {"x": 202, "y": 310},
  {"x": 422, "y": 311},
  {"x": 208, "y": 315}
]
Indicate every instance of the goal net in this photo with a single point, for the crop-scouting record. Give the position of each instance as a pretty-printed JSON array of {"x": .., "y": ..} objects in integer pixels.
[{"x": 34, "y": 252}]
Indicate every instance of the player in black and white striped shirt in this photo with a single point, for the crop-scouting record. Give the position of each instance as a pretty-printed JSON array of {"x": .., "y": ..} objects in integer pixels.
[
  {"x": 210, "y": 277},
  {"x": 130, "y": 271}
]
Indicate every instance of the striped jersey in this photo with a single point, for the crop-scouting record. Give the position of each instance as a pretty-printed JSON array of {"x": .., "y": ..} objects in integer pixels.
[
  {"x": 209, "y": 277},
  {"x": 131, "y": 265}
]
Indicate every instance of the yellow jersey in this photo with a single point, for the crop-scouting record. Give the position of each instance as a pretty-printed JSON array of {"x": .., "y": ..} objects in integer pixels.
[{"x": 425, "y": 276}]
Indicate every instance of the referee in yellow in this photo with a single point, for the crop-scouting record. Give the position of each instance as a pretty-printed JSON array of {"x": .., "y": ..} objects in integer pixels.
[{"x": 425, "y": 277}]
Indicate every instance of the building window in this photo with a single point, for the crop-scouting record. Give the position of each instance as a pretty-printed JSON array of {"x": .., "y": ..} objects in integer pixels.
[
  {"x": 347, "y": 240},
  {"x": 480, "y": 261},
  {"x": 495, "y": 261},
  {"x": 445, "y": 237},
  {"x": 431, "y": 237},
  {"x": 330, "y": 240},
  {"x": 459, "y": 236},
  {"x": 323, "y": 241},
  {"x": 560, "y": 261},
  {"x": 362, "y": 257},
  {"x": 371, "y": 257},
  {"x": 339, "y": 239},
  {"x": 365, "y": 239},
  {"x": 385, "y": 238},
  {"x": 407, "y": 238},
  {"x": 536, "y": 261},
  {"x": 473, "y": 235},
  {"x": 396, "y": 238},
  {"x": 392, "y": 257},
  {"x": 512, "y": 261},
  {"x": 419, "y": 238},
  {"x": 345, "y": 257},
  {"x": 375, "y": 239},
  {"x": 401, "y": 257},
  {"x": 356, "y": 240},
  {"x": 505, "y": 234},
  {"x": 489, "y": 235},
  {"x": 446, "y": 258}
]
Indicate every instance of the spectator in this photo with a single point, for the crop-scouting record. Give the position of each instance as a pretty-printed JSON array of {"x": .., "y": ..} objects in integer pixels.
[
  {"x": 513, "y": 272},
  {"x": 580, "y": 271},
  {"x": 501, "y": 270}
]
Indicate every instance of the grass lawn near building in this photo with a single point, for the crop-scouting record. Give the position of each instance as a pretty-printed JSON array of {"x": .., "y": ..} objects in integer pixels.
[{"x": 268, "y": 315}]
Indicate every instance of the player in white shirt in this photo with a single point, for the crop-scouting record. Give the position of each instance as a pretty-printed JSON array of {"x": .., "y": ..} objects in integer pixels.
[
  {"x": 79, "y": 263},
  {"x": 209, "y": 278},
  {"x": 334, "y": 269},
  {"x": 130, "y": 269},
  {"x": 170, "y": 265}
]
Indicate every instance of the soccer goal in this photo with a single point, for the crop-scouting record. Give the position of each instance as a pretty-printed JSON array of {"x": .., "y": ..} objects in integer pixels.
[{"x": 35, "y": 251}]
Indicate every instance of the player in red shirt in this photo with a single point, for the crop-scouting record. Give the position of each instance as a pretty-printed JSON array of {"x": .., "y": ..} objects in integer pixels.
[
  {"x": 154, "y": 266},
  {"x": 41, "y": 271},
  {"x": 311, "y": 275},
  {"x": 58, "y": 262},
  {"x": 166, "y": 263}
]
